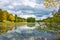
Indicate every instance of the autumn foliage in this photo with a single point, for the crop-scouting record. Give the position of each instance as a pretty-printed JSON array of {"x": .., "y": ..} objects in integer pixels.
[{"x": 5, "y": 16}]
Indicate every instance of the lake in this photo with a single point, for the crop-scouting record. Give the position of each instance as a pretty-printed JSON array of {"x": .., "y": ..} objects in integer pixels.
[{"x": 26, "y": 31}]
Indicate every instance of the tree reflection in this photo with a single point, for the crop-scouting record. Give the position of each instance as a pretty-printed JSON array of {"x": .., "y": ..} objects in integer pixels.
[
  {"x": 31, "y": 24},
  {"x": 8, "y": 27},
  {"x": 5, "y": 28}
]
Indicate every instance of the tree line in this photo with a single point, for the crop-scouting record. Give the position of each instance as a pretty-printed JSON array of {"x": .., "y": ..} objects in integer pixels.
[
  {"x": 9, "y": 17},
  {"x": 52, "y": 22}
]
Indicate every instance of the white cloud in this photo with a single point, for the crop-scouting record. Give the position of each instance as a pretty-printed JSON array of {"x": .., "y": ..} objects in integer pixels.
[
  {"x": 10, "y": 11},
  {"x": 13, "y": 5},
  {"x": 19, "y": 13},
  {"x": 29, "y": 3},
  {"x": 44, "y": 17},
  {"x": 28, "y": 12},
  {"x": 40, "y": 6},
  {"x": 26, "y": 16}
]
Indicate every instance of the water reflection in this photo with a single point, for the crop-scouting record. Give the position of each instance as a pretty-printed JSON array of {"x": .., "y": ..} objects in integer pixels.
[
  {"x": 31, "y": 24},
  {"x": 8, "y": 27},
  {"x": 4, "y": 28},
  {"x": 25, "y": 31}
]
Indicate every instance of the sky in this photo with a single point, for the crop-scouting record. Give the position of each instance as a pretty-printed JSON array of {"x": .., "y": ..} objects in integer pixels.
[{"x": 27, "y": 8}]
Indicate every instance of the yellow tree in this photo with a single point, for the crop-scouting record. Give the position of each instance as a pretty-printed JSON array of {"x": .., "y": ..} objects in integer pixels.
[
  {"x": 4, "y": 16},
  {"x": 1, "y": 12},
  {"x": 51, "y": 3},
  {"x": 11, "y": 17}
]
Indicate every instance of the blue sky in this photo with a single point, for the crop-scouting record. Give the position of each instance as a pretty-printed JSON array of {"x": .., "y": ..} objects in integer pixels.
[{"x": 27, "y": 8}]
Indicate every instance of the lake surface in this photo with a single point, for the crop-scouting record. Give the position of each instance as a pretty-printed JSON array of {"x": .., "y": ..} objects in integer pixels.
[{"x": 26, "y": 31}]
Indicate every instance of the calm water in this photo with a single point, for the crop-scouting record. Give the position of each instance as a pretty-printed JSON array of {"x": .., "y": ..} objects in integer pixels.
[{"x": 25, "y": 31}]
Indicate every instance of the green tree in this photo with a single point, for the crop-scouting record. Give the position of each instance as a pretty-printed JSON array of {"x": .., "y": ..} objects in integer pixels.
[
  {"x": 15, "y": 18},
  {"x": 30, "y": 19}
]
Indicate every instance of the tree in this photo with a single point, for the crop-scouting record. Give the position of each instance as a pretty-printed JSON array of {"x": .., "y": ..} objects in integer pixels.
[
  {"x": 4, "y": 16},
  {"x": 51, "y": 3},
  {"x": 15, "y": 18},
  {"x": 30, "y": 19},
  {"x": 11, "y": 17},
  {"x": 1, "y": 12}
]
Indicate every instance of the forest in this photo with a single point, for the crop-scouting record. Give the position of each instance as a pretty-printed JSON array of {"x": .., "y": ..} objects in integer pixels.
[
  {"x": 52, "y": 22},
  {"x": 5, "y": 16}
]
